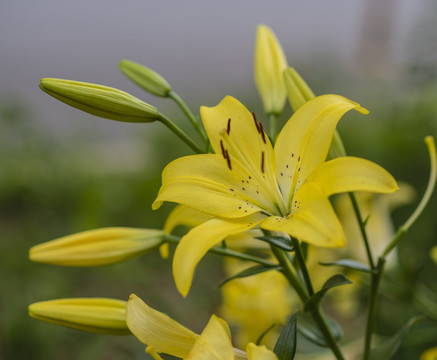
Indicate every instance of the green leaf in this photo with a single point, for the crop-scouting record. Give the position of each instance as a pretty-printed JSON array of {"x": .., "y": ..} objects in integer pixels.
[
  {"x": 278, "y": 241},
  {"x": 285, "y": 346},
  {"x": 389, "y": 347},
  {"x": 307, "y": 328},
  {"x": 333, "y": 281},
  {"x": 350, "y": 264},
  {"x": 257, "y": 269}
]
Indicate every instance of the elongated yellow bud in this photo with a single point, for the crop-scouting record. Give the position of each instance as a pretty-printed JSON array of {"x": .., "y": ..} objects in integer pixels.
[
  {"x": 270, "y": 63},
  {"x": 97, "y": 247},
  {"x": 297, "y": 89},
  {"x": 98, "y": 315},
  {"x": 98, "y": 100},
  {"x": 145, "y": 78}
]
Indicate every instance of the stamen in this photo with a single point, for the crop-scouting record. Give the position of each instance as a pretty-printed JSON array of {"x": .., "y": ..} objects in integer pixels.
[
  {"x": 228, "y": 128},
  {"x": 256, "y": 122},
  {"x": 262, "y": 133},
  {"x": 262, "y": 162},
  {"x": 223, "y": 149},
  {"x": 228, "y": 159}
]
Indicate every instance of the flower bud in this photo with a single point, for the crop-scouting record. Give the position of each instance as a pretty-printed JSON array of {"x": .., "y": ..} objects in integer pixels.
[
  {"x": 145, "y": 78},
  {"x": 297, "y": 89},
  {"x": 270, "y": 62},
  {"x": 97, "y": 315},
  {"x": 98, "y": 100},
  {"x": 97, "y": 247}
]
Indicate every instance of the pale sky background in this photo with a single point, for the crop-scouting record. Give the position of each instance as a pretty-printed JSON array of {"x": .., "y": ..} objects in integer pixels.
[{"x": 203, "y": 48}]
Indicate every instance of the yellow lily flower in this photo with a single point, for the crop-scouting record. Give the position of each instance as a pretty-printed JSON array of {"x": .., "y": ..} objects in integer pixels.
[
  {"x": 164, "y": 335},
  {"x": 247, "y": 183},
  {"x": 252, "y": 304}
]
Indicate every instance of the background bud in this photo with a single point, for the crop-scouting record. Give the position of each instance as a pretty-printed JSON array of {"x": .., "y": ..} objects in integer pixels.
[
  {"x": 270, "y": 62},
  {"x": 98, "y": 100},
  {"x": 97, "y": 247},
  {"x": 98, "y": 315},
  {"x": 145, "y": 78}
]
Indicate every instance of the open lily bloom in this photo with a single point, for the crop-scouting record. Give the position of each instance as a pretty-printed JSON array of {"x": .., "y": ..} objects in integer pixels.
[
  {"x": 164, "y": 335},
  {"x": 247, "y": 183}
]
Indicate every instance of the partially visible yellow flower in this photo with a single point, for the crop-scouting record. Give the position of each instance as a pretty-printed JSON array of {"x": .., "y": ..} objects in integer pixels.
[
  {"x": 252, "y": 304},
  {"x": 99, "y": 100},
  {"x": 98, "y": 315},
  {"x": 433, "y": 254},
  {"x": 247, "y": 183},
  {"x": 379, "y": 226},
  {"x": 430, "y": 354},
  {"x": 270, "y": 62},
  {"x": 164, "y": 335},
  {"x": 97, "y": 247}
]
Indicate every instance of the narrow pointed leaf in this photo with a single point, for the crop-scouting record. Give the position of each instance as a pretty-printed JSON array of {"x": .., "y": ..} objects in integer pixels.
[
  {"x": 285, "y": 347},
  {"x": 253, "y": 270},
  {"x": 388, "y": 348},
  {"x": 307, "y": 328},
  {"x": 278, "y": 241},
  {"x": 333, "y": 281},
  {"x": 264, "y": 333},
  {"x": 350, "y": 264}
]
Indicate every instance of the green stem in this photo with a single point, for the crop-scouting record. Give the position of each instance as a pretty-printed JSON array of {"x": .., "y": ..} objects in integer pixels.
[
  {"x": 423, "y": 202},
  {"x": 362, "y": 229},
  {"x": 318, "y": 317},
  {"x": 302, "y": 265},
  {"x": 184, "y": 137},
  {"x": 289, "y": 273},
  {"x": 181, "y": 103},
  {"x": 273, "y": 119},
  {"x": 226, "y": 252},
  {"x": 371, "y": 313}
]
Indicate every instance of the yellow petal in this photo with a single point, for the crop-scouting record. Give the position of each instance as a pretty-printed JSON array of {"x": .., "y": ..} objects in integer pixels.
[
  {"x": 199, "y": 240},
  {"x": 99, "y": 315},
  {"x": 270, "y": 62},
  {"x": 214, "y": 343},
  {"x": 304, "y": 141},
  {"x": 184, "y": 215},
  {"x": 154, "y": 328},
  {"x": 345, "y": 174},
  {"x": 97, "y": 247},
  {"x": 204, "y": 183},
  {"x": 312, "y": 220},
  {"x": 256, "y": 352},
  {"x": 245, "y": 149}
]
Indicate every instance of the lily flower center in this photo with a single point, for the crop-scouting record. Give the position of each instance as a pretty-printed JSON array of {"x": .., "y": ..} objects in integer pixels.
[{"x": 255, "y": 169}]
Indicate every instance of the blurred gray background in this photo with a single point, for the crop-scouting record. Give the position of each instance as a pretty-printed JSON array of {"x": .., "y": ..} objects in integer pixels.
[{"x": 203, "y": 48}]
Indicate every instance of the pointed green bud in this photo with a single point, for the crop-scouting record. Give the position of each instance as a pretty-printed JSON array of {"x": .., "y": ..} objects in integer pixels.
[
  {"x": 145, "y": 78},
  {"x": 97, "y": 315},
  {"x": 270, "y": 63},
  {"x": 97, "y": 247},
  {"x": 297, "y": 89},
  {"x": 98, "y": 100}
]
